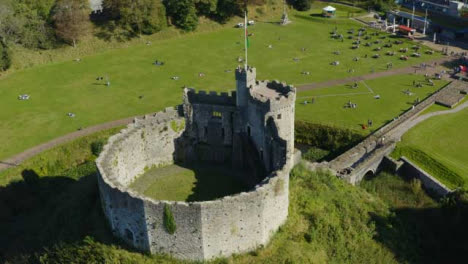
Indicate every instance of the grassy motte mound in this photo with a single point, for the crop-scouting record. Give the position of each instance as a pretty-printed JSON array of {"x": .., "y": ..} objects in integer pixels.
[{"x": 59, "y": 216}]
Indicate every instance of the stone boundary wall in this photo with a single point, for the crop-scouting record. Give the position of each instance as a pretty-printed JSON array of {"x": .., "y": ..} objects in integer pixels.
[
  {"x": 204, "y": 230},
  {"x": 412, "y": 170}
]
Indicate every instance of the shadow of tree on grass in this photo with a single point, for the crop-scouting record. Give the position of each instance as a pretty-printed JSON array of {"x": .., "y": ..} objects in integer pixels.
[{"x": 427, "y": 235}]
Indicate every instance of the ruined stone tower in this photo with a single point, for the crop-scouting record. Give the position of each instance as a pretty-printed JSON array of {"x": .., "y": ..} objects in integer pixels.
[{"x": 251, "y": 130}]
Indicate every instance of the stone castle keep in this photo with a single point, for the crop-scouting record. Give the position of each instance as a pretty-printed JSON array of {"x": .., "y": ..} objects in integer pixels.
[{"x": 250, "y": 130}]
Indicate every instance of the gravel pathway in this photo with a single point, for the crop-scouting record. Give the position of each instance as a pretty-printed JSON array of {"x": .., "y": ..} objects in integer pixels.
[{"x": 370, "y": 76}]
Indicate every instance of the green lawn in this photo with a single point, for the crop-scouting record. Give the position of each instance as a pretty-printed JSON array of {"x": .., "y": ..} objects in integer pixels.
[
  {"x": 439, "y": 145},
  {"x": 59, "y": 88},
  {"x": 329, "y": 109},
  {"x": 177, "y": 183}
]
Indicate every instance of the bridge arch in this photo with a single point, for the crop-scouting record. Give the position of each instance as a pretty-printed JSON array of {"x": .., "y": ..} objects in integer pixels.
[{"x": 369, "y": 174}]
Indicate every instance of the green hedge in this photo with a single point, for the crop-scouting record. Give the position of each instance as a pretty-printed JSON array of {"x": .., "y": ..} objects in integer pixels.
[
  {"x": 333, "y": 139},
  {"x": 431, "y": 165}
]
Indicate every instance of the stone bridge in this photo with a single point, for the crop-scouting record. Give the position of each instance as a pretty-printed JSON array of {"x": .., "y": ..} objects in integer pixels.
[{"x": 369, "y": 156}]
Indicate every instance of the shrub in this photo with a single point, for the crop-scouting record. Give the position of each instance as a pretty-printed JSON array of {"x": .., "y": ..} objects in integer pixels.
[
  {"x": 315, "y": 154},
  {"x": 96, "y": 147},
  {"x": 176, "y": 126},
  {"x": 416, "y": 186},
  {"x": 169, "y": 222}
]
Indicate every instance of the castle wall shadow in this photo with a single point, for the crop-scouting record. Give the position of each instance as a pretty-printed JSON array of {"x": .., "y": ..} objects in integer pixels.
[{"x": 41, "y": 212}]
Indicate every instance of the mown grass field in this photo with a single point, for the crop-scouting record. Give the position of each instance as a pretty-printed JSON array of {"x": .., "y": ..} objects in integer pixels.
[
  {"x": 328, "y": 107},
  {"x": 62, "y": 87},
  {"x": 439, "y": 146},
  {"x": 194, "y": 183}
]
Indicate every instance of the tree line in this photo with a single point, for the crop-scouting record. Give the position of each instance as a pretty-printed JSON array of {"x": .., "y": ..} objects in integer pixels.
[{"x": 45, "y": 24}]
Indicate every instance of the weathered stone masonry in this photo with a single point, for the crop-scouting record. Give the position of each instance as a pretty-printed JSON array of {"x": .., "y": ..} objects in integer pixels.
[{"x": 251, "y": 129}]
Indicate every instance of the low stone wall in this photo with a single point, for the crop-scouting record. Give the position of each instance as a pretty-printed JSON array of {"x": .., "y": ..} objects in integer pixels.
[
  {"x": 204, "y": 230},
  {"x": 391, "y": 165},
  {"x": 412, "y": 170}
]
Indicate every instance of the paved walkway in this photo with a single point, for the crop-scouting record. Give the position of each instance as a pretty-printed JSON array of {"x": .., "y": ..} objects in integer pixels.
[
  {"x": 370, "y": 76},
  {"x": 401, "y": 130},
  {"x": 17, "y": 159}
]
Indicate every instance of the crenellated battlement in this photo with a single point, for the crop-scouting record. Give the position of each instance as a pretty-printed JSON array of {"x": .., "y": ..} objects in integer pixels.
[
  {"x": 272, "y": 96},
  {"x": 211, "y": 97},
  {"x": 241, "y": 72},
  {"x": 280, "y": 87}
]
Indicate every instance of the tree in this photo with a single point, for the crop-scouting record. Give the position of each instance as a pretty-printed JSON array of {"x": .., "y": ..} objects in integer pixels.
[
  {"x": 379, "y": 5},
  {"x": 206, "y": 7},
  {"x": 20, "y": 23},
  {"x": 71, "y": 18},
  {"x": 5, "y": 56},
  {"x": 229, "y": 8},
  {"x": 42, "y": 7},
  {"x": 139, "y": 16},
  {"x": 183, "y": 13},
  {"x": 301, "y": 5}
]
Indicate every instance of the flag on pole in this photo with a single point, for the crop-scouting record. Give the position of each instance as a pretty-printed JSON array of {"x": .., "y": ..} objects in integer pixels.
[
  {"x": 247, "y": 43},
  {"x": 247, "y": 40}
]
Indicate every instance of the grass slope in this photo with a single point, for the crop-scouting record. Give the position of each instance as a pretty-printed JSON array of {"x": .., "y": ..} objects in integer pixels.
[
  {"x": 419, "y": 229},
  {"x": 439, "y": 146},
  {"x": 329, "y": 102},
  {"x": 62, "y": 87},
  {"x": 60, "y": 218}
]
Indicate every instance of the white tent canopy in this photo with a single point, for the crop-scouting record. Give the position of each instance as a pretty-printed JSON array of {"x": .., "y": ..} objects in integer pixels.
[{"x": 329, "y": 9}]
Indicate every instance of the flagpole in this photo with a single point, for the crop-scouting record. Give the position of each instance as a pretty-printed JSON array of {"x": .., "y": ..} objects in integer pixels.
[
  {"x": 246, "y": 43},
  {"x": 425, "y": 21}
]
